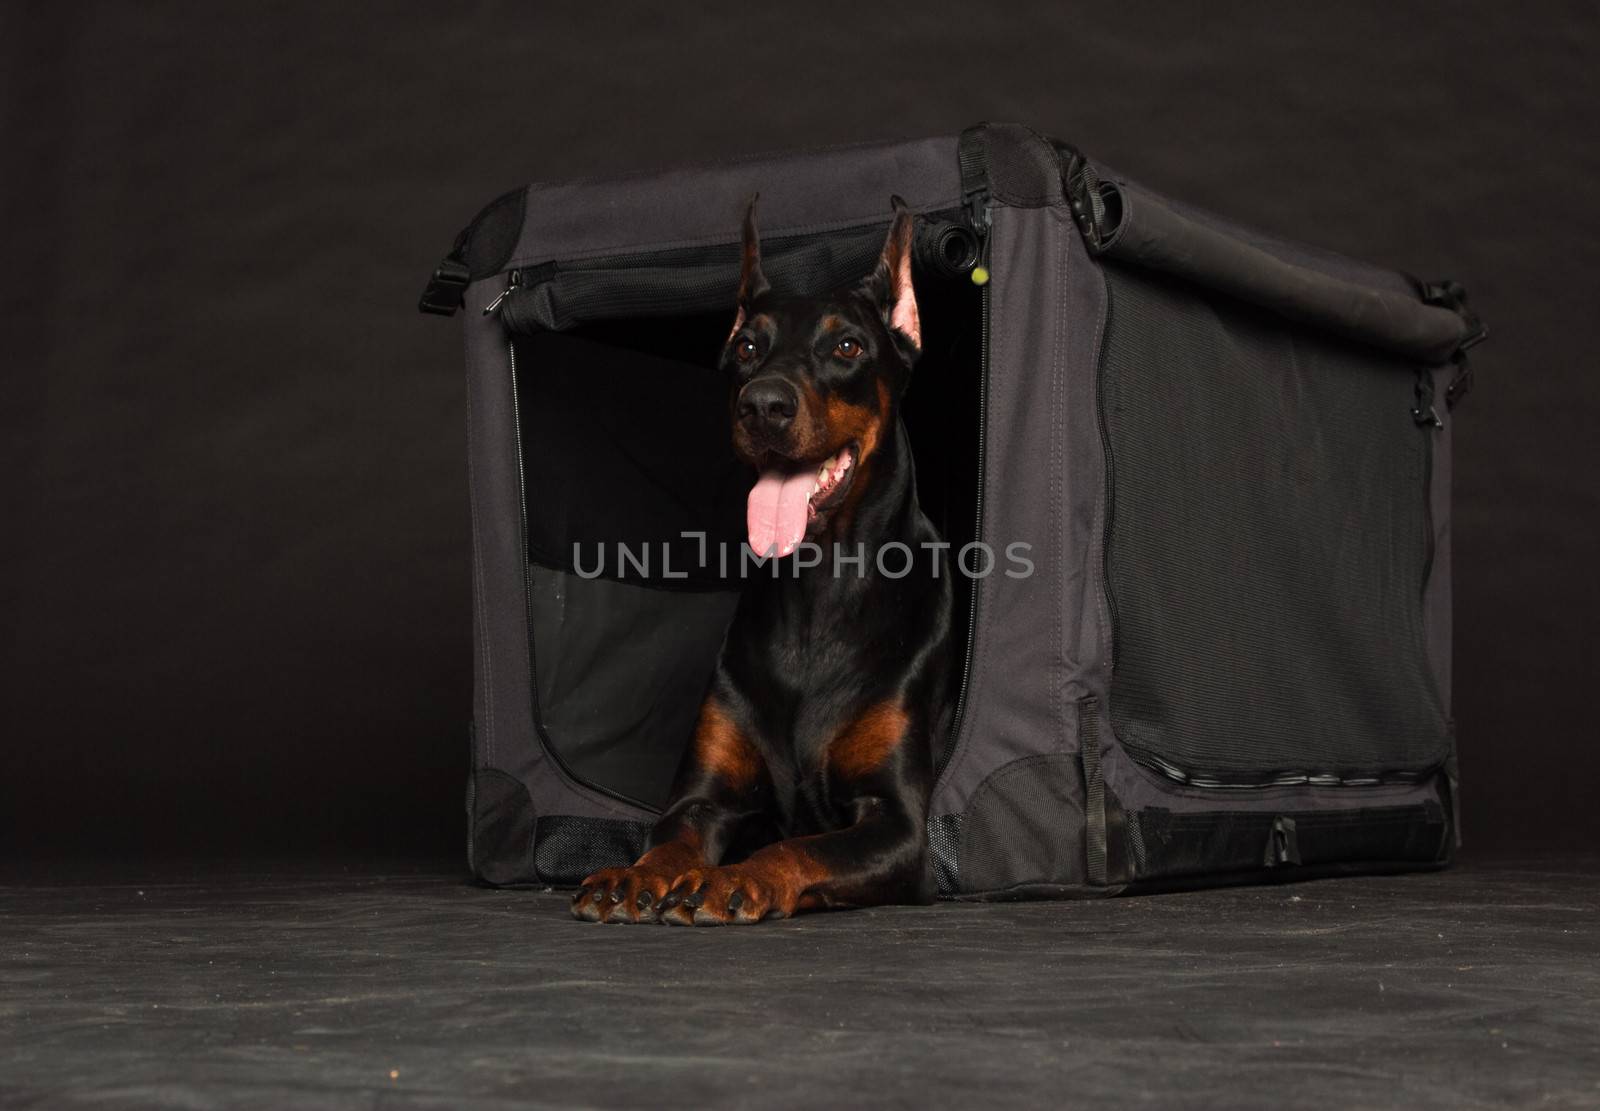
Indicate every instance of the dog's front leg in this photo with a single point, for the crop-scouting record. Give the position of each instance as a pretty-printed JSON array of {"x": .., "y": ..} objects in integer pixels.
[
  {"x": 723, "y": 783},
  {"x": 880, "y": 858},
  {"x": 878, "y": 772}
]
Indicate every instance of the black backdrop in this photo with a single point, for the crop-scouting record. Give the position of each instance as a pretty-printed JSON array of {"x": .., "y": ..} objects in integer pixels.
[{"x": 234, "y": 560}]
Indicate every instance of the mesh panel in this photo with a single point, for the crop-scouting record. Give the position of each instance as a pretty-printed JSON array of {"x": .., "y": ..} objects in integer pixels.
[
  {"x": 1024, "y": 826},
  {"x": 1164, "y": 845},
  {"x": 1267, "y": 546},
  {"x": 944, "y": 850},
  {"x": 621, "y": 671},
  {"x": 567, "y": 849}
]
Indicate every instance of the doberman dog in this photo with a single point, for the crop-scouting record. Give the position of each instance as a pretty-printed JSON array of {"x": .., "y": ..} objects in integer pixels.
[{"x": 807, "y": 780}]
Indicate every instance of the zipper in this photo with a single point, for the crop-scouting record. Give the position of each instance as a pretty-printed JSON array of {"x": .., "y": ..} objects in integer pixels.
[
  {"x": 1109, "y": 479},
  {"x": 981, "y": 216},
  {"x": 527, "y": 601},
  {"x": 1171, "y": 773},
  {"x": 1428, "y": 433},
  {"x": 472, "y": 794},
  {"x": 513, "y": 280},
  {"x": 669, "y": 281},
  {"x": 522, "y": 545}
]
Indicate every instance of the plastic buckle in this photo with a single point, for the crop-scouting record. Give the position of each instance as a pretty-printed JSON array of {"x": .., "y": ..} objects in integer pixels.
[{"x": 445, "y": 289}]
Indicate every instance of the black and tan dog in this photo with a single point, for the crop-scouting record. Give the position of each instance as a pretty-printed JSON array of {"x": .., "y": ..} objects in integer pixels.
[{"x": 807, "y": 781}]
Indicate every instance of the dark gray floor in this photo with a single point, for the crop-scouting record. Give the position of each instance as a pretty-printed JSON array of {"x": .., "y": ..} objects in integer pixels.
[{"x": 1478, "y": 986}]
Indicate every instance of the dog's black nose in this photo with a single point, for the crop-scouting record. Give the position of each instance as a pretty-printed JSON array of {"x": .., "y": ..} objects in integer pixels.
[{"x": 768, "y": 403}]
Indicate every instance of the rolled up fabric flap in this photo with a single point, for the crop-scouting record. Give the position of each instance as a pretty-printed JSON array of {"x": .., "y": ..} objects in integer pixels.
[{"x": 1143, "y": 229}]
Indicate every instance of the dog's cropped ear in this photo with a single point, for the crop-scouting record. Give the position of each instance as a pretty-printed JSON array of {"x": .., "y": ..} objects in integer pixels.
[
  {"x": 752, "y": 283},
  {"x": 890, "y": 284}
]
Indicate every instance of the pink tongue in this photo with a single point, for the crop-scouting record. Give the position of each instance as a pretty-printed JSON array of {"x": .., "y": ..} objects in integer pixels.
[{"x": 777, "y": 511}]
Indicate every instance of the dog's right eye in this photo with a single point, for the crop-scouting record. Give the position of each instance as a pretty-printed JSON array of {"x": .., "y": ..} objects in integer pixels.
[{"x": 744, "y": 350}]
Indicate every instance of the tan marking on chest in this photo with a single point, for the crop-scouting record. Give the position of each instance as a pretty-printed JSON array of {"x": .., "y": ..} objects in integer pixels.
[
  {"x": 721, "y": 748},
  {"x": 866, "y": 743}
]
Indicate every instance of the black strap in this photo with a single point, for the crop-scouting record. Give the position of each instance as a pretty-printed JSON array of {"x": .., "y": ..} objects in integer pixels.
[
  {"x": 444, "y": 290},
  {"x": 1081, "y": 184},
  {"x": 973, "y": 158},
  {"x": 1094, "y": 790}
]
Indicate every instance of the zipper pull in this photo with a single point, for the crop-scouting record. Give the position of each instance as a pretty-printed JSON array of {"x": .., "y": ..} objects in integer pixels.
[
  {"x": 513, "y": 280},
  {"x": 980, "y": 219},
  {"x": 1423, "y": 412},
  {"x": 980, "y": 272}
]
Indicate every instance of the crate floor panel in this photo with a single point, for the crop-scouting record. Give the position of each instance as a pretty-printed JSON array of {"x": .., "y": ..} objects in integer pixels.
[{"x": 296, "y": 987}]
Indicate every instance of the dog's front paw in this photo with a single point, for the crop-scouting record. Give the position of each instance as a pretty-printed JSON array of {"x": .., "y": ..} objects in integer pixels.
[
  {"x": 633, "y": 894},
  {"x": 736, "y": 894}
]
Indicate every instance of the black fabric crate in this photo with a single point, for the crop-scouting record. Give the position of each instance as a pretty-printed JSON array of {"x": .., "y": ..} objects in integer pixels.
[{"x": 1229, "y": 456}]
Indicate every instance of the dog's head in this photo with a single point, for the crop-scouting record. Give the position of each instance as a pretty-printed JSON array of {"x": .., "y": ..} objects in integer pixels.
[{"x": 815, "y": 386}]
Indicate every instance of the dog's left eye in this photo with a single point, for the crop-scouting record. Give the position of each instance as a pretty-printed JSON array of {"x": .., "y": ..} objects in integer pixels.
[
  {"x": 847, "y": 349},
  {"x": 745, "y": 350}
]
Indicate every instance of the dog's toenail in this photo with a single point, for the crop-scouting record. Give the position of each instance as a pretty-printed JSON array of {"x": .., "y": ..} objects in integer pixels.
[
  {"x": 736, "y": 900},
  {"x": 695, "y": 898},
  {"x": 616, "y": 894},
  {"x": 673, "y": 899},
  {"x": 644, "y": 899},
  {"x": 600, "y": 896}
]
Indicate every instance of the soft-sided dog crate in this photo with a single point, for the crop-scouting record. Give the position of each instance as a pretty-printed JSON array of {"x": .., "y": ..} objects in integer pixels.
[{"x": 1228, "y": 456}]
